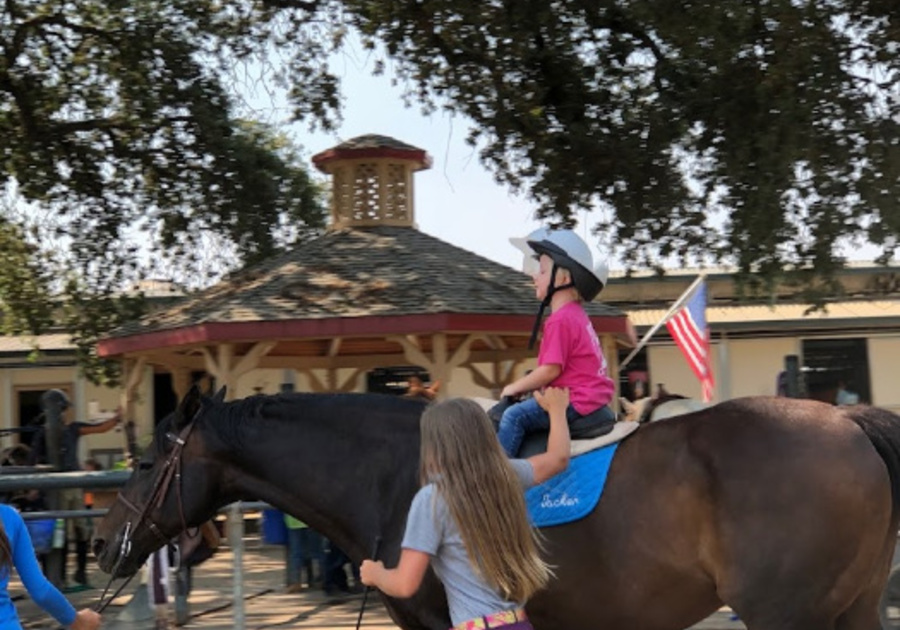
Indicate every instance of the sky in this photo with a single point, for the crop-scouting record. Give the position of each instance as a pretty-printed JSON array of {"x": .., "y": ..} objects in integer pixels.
[{"x": 457, "y": 200}]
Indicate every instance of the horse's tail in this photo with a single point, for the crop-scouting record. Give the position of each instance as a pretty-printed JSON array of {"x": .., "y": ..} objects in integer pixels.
[{"x": 883, "y": 429}]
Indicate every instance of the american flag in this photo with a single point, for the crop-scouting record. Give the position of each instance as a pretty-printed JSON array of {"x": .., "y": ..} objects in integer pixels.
[{"x": 689, "y": 330}]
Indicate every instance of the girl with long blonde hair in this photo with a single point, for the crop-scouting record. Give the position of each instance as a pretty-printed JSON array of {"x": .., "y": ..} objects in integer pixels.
[{"x": 469, "y": 521}]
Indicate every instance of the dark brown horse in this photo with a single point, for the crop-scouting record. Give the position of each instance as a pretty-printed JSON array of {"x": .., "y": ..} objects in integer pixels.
[{"x": 786, "y": 510}]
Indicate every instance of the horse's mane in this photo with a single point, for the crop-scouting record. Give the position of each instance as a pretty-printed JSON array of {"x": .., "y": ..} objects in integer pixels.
[{"x": 230, "y": 415}]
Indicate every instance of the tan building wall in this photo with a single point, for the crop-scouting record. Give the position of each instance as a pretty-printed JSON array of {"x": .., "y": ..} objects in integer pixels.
[
  {"x": 883, "y": 377},
  {"x": 754, "y": 365},
  {"x": 668, "y": 367}
]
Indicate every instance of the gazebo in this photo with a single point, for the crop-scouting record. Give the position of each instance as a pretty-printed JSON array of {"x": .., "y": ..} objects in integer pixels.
[{"x": 371, "y": 292}]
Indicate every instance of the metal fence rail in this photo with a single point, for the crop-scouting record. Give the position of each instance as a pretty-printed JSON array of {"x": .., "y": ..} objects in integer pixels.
[
  {"x": 93, "y": 479},
  {"x": 25, "y": 479}
]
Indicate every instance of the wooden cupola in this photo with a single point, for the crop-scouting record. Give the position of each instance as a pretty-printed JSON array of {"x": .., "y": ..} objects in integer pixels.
[{"x": 372, "y": 181}]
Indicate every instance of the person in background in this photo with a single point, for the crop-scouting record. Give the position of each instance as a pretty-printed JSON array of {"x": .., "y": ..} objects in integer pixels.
[
  {"x": 17, "y": 551},
  {"x": 781, "y": 384},
  {"x": 417, "y": 389},
  {"x": 845, "y": 394},
  {"x": 304, "y": 549},
  {"x": 480, "y": 543},
  {"x": 78, "y": 529},
  {"x": 638, "y": 390},
  {"x": 334, "y": 576}
]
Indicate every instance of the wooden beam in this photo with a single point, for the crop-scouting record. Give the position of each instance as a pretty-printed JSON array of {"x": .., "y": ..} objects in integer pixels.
[
  {"x": 611, "y": 352},
  {"x": 133, "y": 373},
  {"x": 349, "y": 384},
  {"x": 181, "y": 382},
  {"x": 209, "y": 363},
  {"x": 371, "y": 361},
  {"x": 411, "y": 351},
  {"x": 315, "y": 383},
  {"x": 334, "y": 347},
  {"x": 480, "y": 378},
  {"x": 224, "y": 375},
  {"x": 250, "y": 360}
]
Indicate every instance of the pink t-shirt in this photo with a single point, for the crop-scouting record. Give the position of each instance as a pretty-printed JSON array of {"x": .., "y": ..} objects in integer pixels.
[{"x": 570, "y": 342}]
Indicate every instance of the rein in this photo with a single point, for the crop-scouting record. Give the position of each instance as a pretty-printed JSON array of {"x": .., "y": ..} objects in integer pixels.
[{"x": 171, "y": 471}]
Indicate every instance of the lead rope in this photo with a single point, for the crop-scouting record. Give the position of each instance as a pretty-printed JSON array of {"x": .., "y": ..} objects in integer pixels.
[{"x": 362, "y": 607}]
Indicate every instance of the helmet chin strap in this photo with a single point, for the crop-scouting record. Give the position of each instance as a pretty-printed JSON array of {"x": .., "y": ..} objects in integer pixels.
[{"x": 551, "y": 289}]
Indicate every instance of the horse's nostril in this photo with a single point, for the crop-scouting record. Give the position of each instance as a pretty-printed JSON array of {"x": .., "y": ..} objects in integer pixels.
[{"x": 97, "y": 546}]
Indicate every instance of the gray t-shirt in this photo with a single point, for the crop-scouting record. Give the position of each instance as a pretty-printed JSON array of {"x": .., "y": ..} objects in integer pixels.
[{"x": 430, "y": 528}]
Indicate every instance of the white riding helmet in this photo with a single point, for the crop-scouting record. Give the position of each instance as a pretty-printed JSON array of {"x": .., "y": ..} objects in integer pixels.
[
  {"x": 530, "y": 264},
  {"x": 569, "y": 252}
]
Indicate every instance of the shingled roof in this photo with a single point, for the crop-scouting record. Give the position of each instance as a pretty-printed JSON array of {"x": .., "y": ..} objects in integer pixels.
[
  {"x": 362, "y": 288},
  {"x": 356, "y": 273}
]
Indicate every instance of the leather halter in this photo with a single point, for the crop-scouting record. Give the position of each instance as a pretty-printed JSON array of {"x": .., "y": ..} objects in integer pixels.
[{"x": 171, "y": 471}]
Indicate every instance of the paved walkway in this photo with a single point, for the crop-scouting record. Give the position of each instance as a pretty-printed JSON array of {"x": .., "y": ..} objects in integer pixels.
[{"x": 266, "y": 604}]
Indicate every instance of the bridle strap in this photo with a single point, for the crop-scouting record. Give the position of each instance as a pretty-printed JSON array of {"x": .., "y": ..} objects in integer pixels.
[{"x": 171, "y": 471}]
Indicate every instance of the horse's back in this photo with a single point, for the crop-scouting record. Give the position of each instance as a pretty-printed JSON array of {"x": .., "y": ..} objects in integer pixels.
[
  {"x": 678, "y": 407},
  {"x": 731, "y": 501}
]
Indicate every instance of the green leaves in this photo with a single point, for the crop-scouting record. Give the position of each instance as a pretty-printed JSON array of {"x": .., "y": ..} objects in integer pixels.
[
  {"x": 115, "y": 122},
  {"x": 763, "y": 135},
  {"x": 25, "y": 305},
  {"x": 671, "y": 114}
]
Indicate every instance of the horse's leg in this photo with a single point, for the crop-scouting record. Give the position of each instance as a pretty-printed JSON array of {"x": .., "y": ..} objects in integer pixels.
[
  {"x": 778, "y": 578},
  {"x": 862, "y": 614}
]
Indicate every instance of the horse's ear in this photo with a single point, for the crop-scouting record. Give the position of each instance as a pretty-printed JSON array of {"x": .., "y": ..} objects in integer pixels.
[
  {"x": 188, "y": 407},
  {"x": 219, "y": 396}
]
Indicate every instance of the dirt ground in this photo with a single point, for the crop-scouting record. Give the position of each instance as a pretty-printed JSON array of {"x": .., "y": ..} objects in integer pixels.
[{"x": 266, "y": 602}]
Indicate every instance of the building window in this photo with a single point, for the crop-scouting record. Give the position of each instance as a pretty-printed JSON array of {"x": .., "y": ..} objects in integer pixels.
[{"x": 830, "y": 363}]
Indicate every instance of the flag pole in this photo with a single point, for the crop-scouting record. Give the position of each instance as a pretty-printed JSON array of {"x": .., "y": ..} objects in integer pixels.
[{"x": 678, "y": 304}]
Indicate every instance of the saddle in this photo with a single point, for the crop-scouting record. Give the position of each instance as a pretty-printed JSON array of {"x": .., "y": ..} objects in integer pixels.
[{"x": 583, "y": 430}]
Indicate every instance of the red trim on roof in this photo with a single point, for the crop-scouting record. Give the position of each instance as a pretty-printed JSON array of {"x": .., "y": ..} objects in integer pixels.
[
  {"x": 337, "y": 327},
  {"x": 332, "y": 155}
]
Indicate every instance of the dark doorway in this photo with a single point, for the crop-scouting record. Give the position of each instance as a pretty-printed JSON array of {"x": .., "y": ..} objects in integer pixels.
[
  {"x": 164, "y": 399},
  {"x": 634, "y": 378}
]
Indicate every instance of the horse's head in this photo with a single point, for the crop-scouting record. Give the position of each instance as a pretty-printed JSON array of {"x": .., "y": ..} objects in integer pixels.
[{"x": 169, "y": 490}]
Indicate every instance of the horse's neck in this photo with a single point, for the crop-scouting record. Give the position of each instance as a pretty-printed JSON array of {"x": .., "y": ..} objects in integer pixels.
[{"x": 344, "y": 469}]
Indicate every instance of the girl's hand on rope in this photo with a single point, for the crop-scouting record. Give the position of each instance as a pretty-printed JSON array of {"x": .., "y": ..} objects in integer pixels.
[
  {"x": 370, "y": 571},
  {"x": 86, "y": 619}
]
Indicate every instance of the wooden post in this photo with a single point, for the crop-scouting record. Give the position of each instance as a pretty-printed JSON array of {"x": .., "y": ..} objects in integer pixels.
[{"x": 611, "y": 352}]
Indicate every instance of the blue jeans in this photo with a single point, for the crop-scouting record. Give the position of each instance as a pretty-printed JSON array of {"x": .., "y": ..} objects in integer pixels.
[
  {"x": 302, "y": 551},
  {"x": 525, "y": 417}
]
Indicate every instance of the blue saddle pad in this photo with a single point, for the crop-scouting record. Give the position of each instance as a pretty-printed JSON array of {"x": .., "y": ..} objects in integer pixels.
[{"x": 573, "y": 493}]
